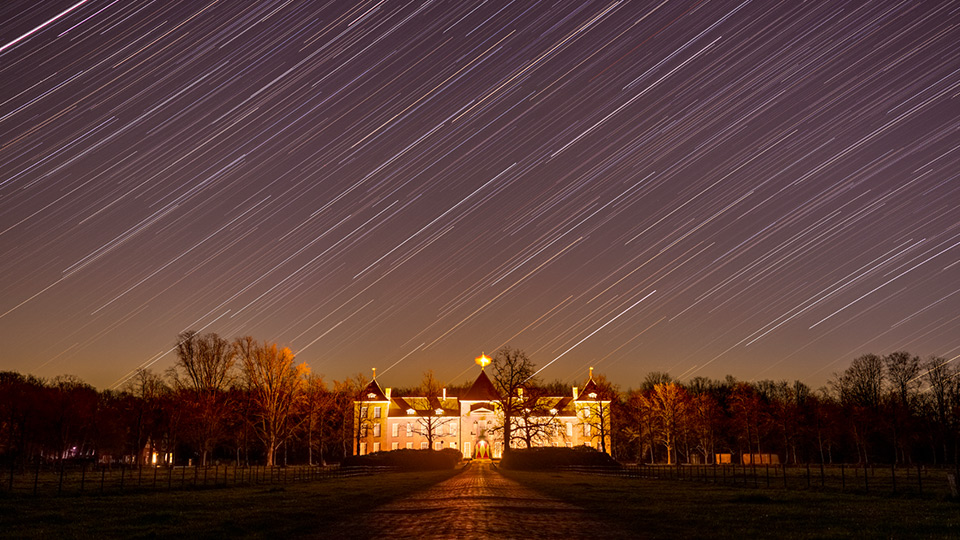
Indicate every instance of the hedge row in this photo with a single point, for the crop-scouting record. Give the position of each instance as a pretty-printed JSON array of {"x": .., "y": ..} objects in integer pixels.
[
  {"x": 555, "y": 457},
  {"x": 408, "y": 460}
]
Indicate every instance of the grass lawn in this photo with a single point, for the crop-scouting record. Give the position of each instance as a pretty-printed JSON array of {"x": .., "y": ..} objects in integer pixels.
[
  {"x": 682, "y": 509},
  {"x": 301, "y": 509}
]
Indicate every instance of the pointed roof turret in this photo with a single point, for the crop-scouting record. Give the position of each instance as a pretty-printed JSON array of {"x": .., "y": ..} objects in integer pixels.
[
  {"x": 482, "y": 389},
  {"x": 373, "y": 392},
  {"x": 590, "y": 391}
]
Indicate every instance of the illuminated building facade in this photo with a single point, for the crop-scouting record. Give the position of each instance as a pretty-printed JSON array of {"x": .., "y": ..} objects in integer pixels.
[{"x": 472, "y": 423}]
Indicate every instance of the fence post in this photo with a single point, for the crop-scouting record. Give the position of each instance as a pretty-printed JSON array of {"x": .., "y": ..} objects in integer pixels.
[
  {"x": 919, "y": 480},
  {"x": 83, "y": 476},
  {"x": 893, "y": 475},
  {"x": 60, "y": 483},
  {"x": 36, "y": 477},
  {"x": 866, "y": 482},
  {"x": 784, "y": 476}
]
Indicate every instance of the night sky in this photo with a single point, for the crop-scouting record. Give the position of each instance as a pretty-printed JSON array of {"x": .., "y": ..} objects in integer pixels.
[{"x": 761, "y": 189}]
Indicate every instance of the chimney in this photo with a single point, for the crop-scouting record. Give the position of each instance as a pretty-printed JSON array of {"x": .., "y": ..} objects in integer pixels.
[
  {"x": 575, "y": 392},
  {"x": 591, "y": 373},
  {"x": 387, "y": 392},
  {"x": 444, "y": 393}
]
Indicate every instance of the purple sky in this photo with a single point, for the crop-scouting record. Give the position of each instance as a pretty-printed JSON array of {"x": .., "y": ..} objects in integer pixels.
[{"x": 761, "y": 189}]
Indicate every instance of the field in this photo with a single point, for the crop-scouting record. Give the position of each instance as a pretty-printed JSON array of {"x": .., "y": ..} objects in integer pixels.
[
  {"x": 674, "y": 508},
  {"x": 283, "y": 510}
]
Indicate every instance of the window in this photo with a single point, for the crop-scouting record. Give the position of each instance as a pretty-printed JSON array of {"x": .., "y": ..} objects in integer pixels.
[
  {"x": 409, "y": 446},
  {"x": 376, "y": 412},
  {"x": 409, "y": 429},
  {"x": 466, "y": 449},
  {"x": 453, "y": 444},
  {"x": 363, "y": 449},
  {"x": 423, "y": 445},
  {"x": 438, "y": 445},
  {"x": 569, "y": 429},
  {"x": 376, "y": 431},
  {"x": 363, "y": 412},
  {"x": 394, "y": 446},
  {"x": 586, "y": 412},
  {"x": 569, "y": 445},
  {"x": 376, "y": 447},
  {"x": 587, "y": 444},
  {"x": 396, "y": 429},
  {"x": 453, "y": 428},
  {"x": 586, "y": 430}
]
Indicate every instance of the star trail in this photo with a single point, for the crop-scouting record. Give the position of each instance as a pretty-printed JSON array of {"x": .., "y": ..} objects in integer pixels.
[{"x": 761, "y": 189}]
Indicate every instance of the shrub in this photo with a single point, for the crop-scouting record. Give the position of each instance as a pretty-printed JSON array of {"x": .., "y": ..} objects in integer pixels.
[
  {"x": 408, "y": 460},
  {"x": 555, "y": 458}
]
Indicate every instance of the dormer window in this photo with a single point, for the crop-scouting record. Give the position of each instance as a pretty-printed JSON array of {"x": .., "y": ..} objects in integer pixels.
[
  {"x": 553, "y": 411},
  {"x": 593, "y": 395},
  {"x": 439, "y": 412},
  {"x": 371, "y": 395},
  {"x": 411, "y": 411}
]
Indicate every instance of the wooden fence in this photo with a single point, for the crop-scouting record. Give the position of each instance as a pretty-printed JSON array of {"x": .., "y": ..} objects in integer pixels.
[
  {"x": 916, "y": 480},
  {"x": 53, "y": 479}
]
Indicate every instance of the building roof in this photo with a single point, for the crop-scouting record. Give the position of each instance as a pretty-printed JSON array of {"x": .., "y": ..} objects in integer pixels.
[
  {"x": 373, "y": 392},
  {"x": 482, "y": 390}
]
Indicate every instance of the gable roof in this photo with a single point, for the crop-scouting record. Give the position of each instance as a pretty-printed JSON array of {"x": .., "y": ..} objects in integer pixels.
[{"x": 482, "y": 390}]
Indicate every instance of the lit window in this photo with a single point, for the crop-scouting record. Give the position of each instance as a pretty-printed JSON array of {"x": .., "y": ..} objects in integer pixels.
[
  {"x": 409, "y": 429},
  {"x": 586, "y": 430},
  {"x": 363, "y": 412},
  {"x": 411, "y": 411},
  {"x": 395, "y": 429},
  {"x": 586, "y": 413},
  {"x": 376, "y": 431},
  {"x": 376, "y": 412},
  {"x": 376, "y": 447},
  {"x": 363, "y": 449},
  {"x": 587, "y": 444},
  {"x": 453, "y": 444},
  {"x": 394, "y": 446},
  {"x": 423, "y": 445},
  {"x": 453, "y": 428},
  {"x": 409, "y": 446},
  {"x": 466, "y": 449},
  {"x": 569, "y": 429},
  {"x": 437, "y": 445}
]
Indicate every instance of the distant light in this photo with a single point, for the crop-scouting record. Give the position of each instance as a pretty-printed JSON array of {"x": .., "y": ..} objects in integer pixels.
[{"x": 483, "y": 360}]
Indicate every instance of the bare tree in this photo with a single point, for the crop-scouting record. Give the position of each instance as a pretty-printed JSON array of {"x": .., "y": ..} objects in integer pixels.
[
  {"x": 860, "y": 389},
  {"x": 596, "y": 405},
  {"x": 903, "y": 376},
  {"x": 670, "y": 406},
  {"x": 536, "y": 422},
  {"x": 316, "y": 405},
  {"x": 512, "y": 370},
  {"x": 203, "y": 372},
  {"x": 275, "y": 384},
  {"x": 429, "y": 409}
]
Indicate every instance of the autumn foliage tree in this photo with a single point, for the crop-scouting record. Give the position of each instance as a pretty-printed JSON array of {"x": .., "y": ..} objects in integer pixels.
[{"x": 276, "y": 388}]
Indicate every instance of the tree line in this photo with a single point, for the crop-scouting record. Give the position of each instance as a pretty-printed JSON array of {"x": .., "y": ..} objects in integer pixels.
[
  {"x": 893, "y": 409},
  {"x": 249, "y": 402}
]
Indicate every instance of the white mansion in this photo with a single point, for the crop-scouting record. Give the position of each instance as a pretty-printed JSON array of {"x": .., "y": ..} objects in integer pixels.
[{"x": 473, "y": 422}]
